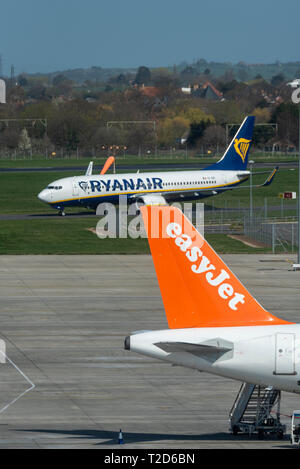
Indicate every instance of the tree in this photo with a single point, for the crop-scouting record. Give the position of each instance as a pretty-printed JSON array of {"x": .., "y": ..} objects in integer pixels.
[
  {"x": 226, "y": 112},
  {"x": 22, "y": 81},
  {"x": 196, "y": 115},
  {"x": 262, "y": 115},
  {"x": 37, "y": 92},
  {"x": 143, "y": 76},
  {"x": 214, "y": 136},
  {"x": 287, "y": 118},
  {"x": 171, "y": 129},
  {"x": 277, "y": 80},
  {"x": 59, "y": 79},
  {"x": 61, "y": 85},
  {"x": 9, "y": 138},
  {"x": 24, "y": 140}
]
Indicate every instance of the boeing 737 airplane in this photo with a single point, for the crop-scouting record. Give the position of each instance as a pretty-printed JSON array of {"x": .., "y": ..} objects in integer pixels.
[
  {"x": 156, "y": 188},
  {"x": 215, "y": 324}
]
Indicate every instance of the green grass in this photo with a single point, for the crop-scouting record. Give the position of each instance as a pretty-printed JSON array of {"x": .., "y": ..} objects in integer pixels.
[
  {"x": 98, "y": 162},
  {"x": 19, "y": 191},
  {"x": 69, "y": 235},
  {"x": 62, "y": 236},
  {"x": 38, "y": 161},
  {"x": 73, "y": 236},
  {"x": 223, "y": 244}
]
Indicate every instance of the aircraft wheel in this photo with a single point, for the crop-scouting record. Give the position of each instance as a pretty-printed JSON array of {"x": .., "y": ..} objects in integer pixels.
[
  {"x": 235, "y": 430},
  {"x": 261, "y": 434}
]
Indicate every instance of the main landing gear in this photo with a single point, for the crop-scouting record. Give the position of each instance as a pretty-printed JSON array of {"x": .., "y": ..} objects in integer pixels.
[{"x": 62, "y": 213}]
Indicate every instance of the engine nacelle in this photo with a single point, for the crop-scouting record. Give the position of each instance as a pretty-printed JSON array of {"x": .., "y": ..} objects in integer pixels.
[{"x": 152, "y": 199}]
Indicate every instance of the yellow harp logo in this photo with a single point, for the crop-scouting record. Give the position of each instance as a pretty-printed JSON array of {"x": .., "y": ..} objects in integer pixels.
[{"x": 241, "y": 146}]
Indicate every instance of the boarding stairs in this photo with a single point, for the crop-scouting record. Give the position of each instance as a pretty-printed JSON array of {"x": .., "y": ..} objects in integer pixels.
[{"x": 251, "y": 411}]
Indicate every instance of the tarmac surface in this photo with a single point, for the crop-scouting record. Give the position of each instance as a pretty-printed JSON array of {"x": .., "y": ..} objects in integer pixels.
[{"x": 64, "y": 320}]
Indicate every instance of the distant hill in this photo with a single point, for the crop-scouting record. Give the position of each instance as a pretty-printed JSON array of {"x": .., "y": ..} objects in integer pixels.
[
  {"x": 79, "y": 75},
  {"x": 240, "y": 71}
]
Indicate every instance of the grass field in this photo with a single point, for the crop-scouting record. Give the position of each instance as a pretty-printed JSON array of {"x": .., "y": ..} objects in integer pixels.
[{"x": 74, "y": 236}]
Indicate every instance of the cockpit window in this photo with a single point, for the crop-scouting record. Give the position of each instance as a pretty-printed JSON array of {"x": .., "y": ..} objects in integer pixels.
[{"x": 55, "y": 187}]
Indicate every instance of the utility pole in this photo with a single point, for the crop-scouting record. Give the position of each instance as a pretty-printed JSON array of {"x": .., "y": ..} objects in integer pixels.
[
  {"x": 251, "y": 163},
  {"x": 298, "y": 197},
  {"x": 296, "y": 99},
  {"x": 12, "y": 76}
]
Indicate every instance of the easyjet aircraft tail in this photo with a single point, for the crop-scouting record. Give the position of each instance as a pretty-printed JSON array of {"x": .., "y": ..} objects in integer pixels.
[
  {"x": 236, "y": 156},
  {"x": 197, "y": 288}
]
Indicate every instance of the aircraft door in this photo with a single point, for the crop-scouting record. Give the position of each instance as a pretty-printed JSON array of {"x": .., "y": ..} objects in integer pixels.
[
  {"x": 75, "y": 187},
  {"x": 284, "y": 354}
]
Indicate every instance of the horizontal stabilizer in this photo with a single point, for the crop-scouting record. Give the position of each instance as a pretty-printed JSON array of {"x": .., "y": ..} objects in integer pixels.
[
  {"x": 196, "y": 349},
  {"x": 267, "y": 182},
  {"x": 210, "y": 350}
]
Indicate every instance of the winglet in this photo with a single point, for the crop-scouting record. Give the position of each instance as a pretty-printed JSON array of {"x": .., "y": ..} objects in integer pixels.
[
  {"x": 197, "y": 288},
  {"x": 89, "y": 170},
  {"x": 270, "y": 178}
]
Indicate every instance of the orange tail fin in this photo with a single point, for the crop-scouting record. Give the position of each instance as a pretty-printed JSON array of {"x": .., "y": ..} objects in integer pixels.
[
  {"x": 107, "y": 164},
  {"x": 197, "y": 288}
]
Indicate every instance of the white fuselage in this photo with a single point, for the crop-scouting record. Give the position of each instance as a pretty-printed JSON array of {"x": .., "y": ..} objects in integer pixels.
[
  {"x": 264, "y": 355},
  {"x": 90, "y": 191}
]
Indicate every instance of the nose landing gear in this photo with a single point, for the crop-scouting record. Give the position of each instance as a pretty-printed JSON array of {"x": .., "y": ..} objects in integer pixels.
[{"x": 61, "y": 212}]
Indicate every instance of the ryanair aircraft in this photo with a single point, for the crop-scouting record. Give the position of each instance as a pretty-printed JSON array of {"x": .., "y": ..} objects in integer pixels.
[{"x": 157, "y": 188}]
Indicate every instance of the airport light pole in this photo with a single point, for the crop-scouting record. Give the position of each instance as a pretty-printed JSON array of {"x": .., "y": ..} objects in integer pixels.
[
  {"x": 298, "y": 198},
  {"x": 296, "y": 100}
]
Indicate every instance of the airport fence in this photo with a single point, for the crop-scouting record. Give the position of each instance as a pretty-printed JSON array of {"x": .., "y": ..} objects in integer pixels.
[
  {"x": 273, "y": 224},
  {"x": 40, "y": 151},
  {"x": 279, "y": 234},
  {"x": 219, "y": 211}
]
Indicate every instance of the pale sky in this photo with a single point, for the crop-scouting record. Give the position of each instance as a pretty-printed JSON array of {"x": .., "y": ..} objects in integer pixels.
[{"x": 50, "y": 35}]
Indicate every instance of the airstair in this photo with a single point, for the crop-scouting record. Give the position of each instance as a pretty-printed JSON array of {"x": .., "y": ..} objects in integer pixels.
[{"x": 251, "y": 411}]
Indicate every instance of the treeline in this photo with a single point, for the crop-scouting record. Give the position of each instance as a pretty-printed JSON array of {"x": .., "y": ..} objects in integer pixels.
[{"x": 143, "y": 112}]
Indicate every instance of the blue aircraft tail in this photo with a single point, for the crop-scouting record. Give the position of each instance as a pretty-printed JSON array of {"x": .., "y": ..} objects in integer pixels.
[{"x": 236, "y": 156}]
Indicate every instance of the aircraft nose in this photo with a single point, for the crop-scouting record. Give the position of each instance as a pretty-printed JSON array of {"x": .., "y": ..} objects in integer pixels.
[{"x": 44, "y": 195}]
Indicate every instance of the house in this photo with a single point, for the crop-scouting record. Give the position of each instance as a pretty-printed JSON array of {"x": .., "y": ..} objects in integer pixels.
[
  {"x": 153, "y": 94},
  {"x": 205, "y": 91}
]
